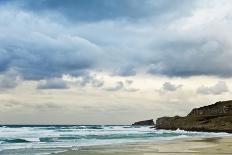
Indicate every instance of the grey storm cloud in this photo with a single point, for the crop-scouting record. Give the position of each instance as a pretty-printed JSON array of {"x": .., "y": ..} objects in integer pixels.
[
  {"x": 216, "y": 89},
  {"x": 191, "y": 57},
  {"x": 129, "y": 82},
  {"x": 167, "y": 86},
  {"x": 87, "y": 79},
  {"x": 125, "y": 86},
  {"x": 55, "y": 83},
  {"x": 126, "y": 70},
  {"x": 92, "y": 10},
  {"x": 9, "y": 80},
  {"x": 118, "y": 86},
  {"x": 46, "y": 39},
  {"x": 34, "y": 47}
]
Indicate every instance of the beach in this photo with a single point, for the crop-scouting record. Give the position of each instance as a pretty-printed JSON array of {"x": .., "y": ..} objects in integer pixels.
[
  {"x": 180, "y": 146},
  {"x": 108, "y": 140}
]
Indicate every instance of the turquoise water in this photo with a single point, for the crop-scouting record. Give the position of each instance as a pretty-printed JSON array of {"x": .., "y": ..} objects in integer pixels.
[{"x": 22, "y": 140}]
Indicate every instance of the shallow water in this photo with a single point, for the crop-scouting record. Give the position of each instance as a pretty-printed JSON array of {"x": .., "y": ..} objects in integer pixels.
[{"x": 28, "y": 139}]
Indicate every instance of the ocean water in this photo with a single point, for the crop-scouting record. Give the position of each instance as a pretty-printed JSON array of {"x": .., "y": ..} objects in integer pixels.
[{"x": 38, "y": 140}]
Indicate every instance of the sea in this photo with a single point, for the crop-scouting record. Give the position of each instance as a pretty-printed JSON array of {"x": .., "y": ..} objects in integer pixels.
[{"x": 47, "y": 139}]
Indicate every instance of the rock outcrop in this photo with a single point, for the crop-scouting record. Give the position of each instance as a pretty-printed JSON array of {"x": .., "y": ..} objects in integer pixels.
[
  {"x": 213, "y": 118},
  {"x": 149, "y": 122}
]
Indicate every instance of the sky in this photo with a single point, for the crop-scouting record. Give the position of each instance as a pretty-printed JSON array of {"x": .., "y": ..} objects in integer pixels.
[{"x": 112, "y": 61}]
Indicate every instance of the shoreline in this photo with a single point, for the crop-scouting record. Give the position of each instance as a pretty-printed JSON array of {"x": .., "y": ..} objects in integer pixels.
[{"x": 211, "y": 145}]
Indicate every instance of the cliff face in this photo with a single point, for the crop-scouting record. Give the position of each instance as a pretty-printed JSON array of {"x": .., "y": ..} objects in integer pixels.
[
  {"x": 145, "y": 123},
  {"x": 216, "y": 118},
  {"x": 219, "y": 108}
]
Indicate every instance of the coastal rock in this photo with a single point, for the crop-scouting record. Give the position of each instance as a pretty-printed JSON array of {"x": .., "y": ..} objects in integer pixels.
[
  {"x": 213, "y": 118},
  {"x": 149, "y": 122}
]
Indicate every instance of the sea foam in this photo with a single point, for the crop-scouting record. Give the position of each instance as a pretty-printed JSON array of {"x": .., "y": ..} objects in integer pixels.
[{"x": 50, "y": 138}]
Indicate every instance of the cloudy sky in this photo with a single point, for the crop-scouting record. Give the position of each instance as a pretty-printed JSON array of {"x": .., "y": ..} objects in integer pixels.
[{"x": 112, "y": 61}]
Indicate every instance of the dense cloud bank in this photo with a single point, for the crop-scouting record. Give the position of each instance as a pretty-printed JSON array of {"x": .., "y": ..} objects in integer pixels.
[
  {"x": 94, "y": 11},
  {"x": 47, "y": 39}
]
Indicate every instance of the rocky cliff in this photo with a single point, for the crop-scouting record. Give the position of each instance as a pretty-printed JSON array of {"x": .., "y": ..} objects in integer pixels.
[
  {"x": 216, "y": 118},
  {"x": 145, "y": 123}
]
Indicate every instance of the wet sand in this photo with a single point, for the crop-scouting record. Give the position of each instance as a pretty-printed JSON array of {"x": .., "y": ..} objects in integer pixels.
[{"x": 183, "y": 146}]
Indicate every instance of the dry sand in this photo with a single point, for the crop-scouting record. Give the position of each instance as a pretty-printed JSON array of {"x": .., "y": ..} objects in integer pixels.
[{"x": 184, "y": 146}]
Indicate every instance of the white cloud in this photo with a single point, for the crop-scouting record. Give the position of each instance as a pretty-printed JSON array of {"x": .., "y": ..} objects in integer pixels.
[{"x": 217, "y": 89}]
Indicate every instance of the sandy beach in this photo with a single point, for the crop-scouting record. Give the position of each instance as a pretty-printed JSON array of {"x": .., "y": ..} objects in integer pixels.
[{"x": 183, "y": 146}]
